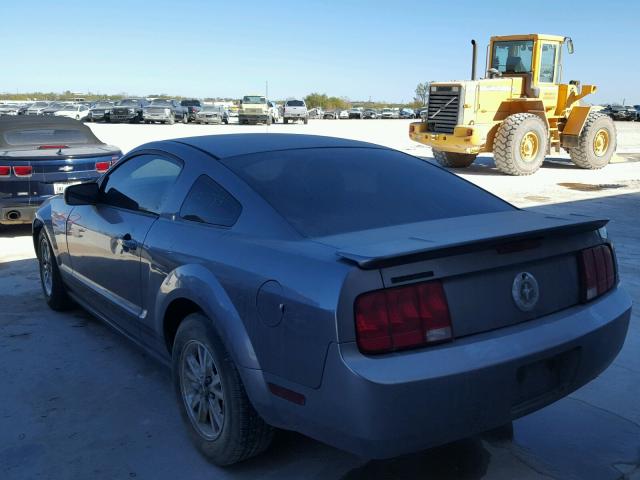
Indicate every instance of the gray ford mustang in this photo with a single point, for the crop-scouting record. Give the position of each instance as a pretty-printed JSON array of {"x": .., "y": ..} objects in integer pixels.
[{"x": 341, "y": 289}]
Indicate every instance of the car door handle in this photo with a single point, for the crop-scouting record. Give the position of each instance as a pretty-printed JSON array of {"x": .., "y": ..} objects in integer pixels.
[{"x": 128, "y": 243}]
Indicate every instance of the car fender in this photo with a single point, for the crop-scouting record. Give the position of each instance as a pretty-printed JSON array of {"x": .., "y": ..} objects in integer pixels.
[{"x": 199, "y": 285}]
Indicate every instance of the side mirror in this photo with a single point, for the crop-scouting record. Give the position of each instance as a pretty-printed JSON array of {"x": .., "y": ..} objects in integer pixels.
[
  {"x": 494, "y": 73},
  {"x": 82, "y": 194},
  {"x": 569, "y": 43}
]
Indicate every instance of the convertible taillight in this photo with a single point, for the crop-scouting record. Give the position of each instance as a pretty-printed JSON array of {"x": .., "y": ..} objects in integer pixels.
[
  {"x": 597, "y": 271},
  {"x": 23, "y": 171},
  {"x": 402, "y": 317},
  {"x": 5, "y": 171},
  {"x": 102, "y": 167}
]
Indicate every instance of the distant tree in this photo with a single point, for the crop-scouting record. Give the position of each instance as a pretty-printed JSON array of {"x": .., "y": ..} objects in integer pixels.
[
  {"x": 314, "y": 100},
  {"x": 421, "y": 94}
]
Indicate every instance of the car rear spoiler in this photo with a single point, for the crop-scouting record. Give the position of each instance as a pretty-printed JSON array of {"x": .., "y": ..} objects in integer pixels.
[{"x": 509, "y": 237}]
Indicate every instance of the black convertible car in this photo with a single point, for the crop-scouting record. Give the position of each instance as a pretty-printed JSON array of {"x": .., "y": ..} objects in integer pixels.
[{"x": 40, "y": 156}]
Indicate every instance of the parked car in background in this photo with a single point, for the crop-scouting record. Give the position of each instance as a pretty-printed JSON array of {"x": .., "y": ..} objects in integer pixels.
[
  {"x": 100, "y": 112},
  {"x": 212, "y": 114},
  {"x": 255, "y": 109},
  {"x": 344, "y": 114},
  {"x": 193, "y": 106},
  {"x": 40, "y": 156},
  {"x": 407, "y": 113},
  {"x": 294, "y": 110},
  {"x": 637, "y": 109},
  {"x": 316, "y": 112},
  {"x": 165, "y": 111},
  {"x": 53, "y": 108},
  {"x": 356, "y": 112},
  {"x": 128, "y": 110},
  {"x": 331, "y": 115},
  {"x": 633, "y": 113},
  {"x": 440, "y": 313},
  {"x": 390, "y": 113},
  {"x": 9, "y": 109},
  {"x": 77, "y": 112},
  {"x": 36, "y": 108},
  {"x": 275, "y": 109},
  {"x": 369, "y": 113},
  {"x": 618, "y": 112}
]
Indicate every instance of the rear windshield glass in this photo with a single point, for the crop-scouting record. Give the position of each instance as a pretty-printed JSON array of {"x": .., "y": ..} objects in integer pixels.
[
  {"x": 335, "y": 190},
  {"x": 295, "y": 103},
  {"x": 128, "y": 102},
  {"x": 190, "y": 103},
  {"x": 250, "y": 99},
  {"x": 45, "y": 136}
]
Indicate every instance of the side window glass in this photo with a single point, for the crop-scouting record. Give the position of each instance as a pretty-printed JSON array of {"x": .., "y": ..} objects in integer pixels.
[
  {"x": 547, "y": 63},
  {"x": 208, "y": 202},
  {"x": 141, "y": 183}
]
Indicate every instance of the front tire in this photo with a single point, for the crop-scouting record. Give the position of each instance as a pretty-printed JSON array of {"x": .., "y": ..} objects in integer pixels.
[
  {"x": 220, "y": 419},
  {"x": 55, "y": 293},
  {"x": 452, "y": 159},
  {"x": 185, "y": 119},
  {"x": 520, "y": 144},
  {"x": 597, "y": 143}
]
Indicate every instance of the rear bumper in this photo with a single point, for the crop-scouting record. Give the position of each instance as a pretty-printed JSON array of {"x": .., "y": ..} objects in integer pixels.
[
  {"x": 253, "y": 118},
  {"x": 385, "y": 406}
]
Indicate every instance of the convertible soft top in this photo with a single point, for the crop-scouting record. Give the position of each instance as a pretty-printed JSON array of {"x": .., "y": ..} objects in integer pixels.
[{"x": 71, "y": 131}]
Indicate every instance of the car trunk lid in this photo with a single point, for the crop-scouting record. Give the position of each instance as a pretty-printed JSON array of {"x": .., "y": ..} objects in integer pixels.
[{"x": 480, "y": 261}]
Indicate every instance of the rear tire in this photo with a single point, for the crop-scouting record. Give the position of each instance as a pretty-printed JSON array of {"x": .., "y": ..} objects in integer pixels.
[
  {"x": 269, "y": 120},
  {"x": 185, "y": 119},
  {"x": 55, "y": 293},
  {"x": 285, "y": 121},
  {"x": 597, "y": 143},
  {"x": 521, "y": 144},
  {"x": 452, "y": 159},
  {"x": 171, "y": 120},
  {"x": 306, "y": 120},
  {"x": 226, "y": 429}
]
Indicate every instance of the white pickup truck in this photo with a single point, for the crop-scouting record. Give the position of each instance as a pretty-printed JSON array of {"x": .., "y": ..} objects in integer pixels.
[{"x": 295, "y": 110}]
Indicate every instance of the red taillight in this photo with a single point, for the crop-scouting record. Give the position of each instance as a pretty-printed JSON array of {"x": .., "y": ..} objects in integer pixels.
[
  {"x": 597, "y": 272},
  {"x": 102, "y": 167},
  {"x": 5, "y": 171},
  {"x": 23, "y": 171},
  {"x": 52, "y": 147},
  {"x": 402, "y": 317}
]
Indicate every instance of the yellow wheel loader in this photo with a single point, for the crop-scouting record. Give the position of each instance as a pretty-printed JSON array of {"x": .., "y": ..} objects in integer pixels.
[{"x": 520, "y": 112}]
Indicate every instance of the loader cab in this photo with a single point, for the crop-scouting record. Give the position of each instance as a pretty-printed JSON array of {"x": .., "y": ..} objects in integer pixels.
[{"x": 536, "y": 57}]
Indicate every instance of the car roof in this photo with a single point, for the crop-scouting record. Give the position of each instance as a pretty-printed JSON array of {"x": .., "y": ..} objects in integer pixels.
[
  {"x": 29, "y": 122},
  {"x": 232, "y": 145}
]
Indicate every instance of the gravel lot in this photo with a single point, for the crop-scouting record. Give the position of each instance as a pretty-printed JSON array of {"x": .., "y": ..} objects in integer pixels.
[{"x": 79, "y": 401}]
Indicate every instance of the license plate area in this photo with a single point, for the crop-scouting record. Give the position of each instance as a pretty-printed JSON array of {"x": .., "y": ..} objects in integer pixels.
[
  {"x": 541, "y": 382},
  {"x": 59, "y": 188}
]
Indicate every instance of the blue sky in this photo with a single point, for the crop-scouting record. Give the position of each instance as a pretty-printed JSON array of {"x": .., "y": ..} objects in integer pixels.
[{"x": 352, "y": 48}]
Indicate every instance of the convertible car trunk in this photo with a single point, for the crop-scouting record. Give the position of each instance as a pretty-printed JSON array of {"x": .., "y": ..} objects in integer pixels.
[{"x": 477, "y": 259}]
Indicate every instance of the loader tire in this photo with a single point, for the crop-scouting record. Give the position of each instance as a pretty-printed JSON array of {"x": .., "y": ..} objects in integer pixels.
[
  {"x": 597, "y": 142},
  {"x": 452, "y": 159},
  {"x": 520, "y": 144}
]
